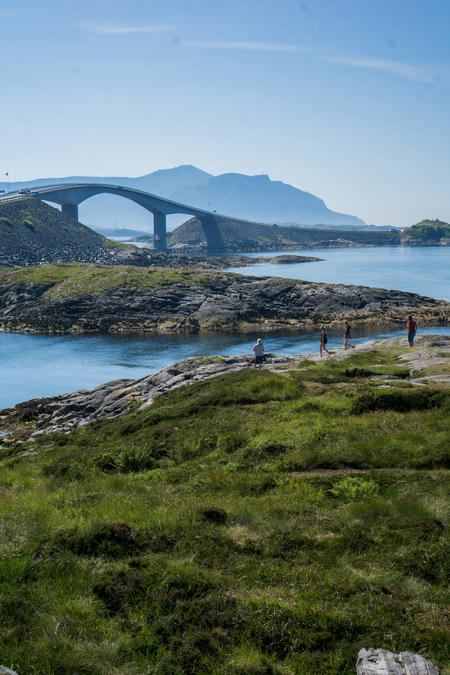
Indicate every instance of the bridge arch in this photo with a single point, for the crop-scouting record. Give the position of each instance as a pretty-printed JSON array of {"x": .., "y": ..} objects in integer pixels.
[{"x": 69, "y": 196}]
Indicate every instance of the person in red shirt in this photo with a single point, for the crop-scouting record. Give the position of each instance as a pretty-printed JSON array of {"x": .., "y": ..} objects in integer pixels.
[{"x": 411, "y": 326}]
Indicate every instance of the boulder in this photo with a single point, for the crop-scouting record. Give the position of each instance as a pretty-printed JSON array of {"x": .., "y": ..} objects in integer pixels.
[{"x": 383, "y": 662}]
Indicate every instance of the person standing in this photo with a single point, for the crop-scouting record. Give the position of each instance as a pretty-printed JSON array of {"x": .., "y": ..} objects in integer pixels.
[
  {"x": 411, "y": 327},
  {"x": 258, "y": 349},
  {"x": 347, "y": 336},
  {"x": 323, "y": 340}
]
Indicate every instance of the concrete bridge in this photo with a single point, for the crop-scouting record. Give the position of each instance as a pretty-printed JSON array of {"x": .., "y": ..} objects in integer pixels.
[{"x": 69, "y": 196}]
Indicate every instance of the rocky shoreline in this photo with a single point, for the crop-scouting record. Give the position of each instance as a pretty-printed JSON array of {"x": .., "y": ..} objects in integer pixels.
[
  {"x": 60, "y": 414},
  {"x": 160, "y": 300},
  {"x": 175, "y": 259}
]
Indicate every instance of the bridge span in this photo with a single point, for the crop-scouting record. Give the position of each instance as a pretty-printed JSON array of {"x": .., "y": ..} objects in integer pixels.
[{"x": 70, "y": 195}]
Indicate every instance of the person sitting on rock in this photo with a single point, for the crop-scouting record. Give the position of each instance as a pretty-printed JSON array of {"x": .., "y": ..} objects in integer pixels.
[{"x": 258, "y": 348}]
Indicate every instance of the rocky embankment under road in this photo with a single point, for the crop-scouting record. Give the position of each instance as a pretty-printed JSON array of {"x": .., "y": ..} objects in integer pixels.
[
  {"x": 60, "y": 414},
  {"x": 130, "y": 299}
]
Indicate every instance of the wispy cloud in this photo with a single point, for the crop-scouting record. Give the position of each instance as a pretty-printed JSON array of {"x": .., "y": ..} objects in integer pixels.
[
  {"x": 409, "y": 71},
  {"x": 102, "y": 28},
  {"x": 425, "y": 74},
  {"x": 248, "y": 46}
]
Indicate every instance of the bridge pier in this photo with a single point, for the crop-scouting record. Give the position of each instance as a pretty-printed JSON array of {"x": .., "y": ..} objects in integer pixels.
[
  {"x": 159, "y": 231},
  {"x": 70, "y": 210}
]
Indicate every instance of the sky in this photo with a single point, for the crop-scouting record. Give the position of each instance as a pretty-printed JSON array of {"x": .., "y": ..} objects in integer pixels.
[{"x": 347, "y": 99}]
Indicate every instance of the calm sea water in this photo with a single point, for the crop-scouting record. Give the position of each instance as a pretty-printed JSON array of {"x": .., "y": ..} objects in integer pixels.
[
  {"x": 41, "y": 365},
  {"x": 424, "y": 270}
]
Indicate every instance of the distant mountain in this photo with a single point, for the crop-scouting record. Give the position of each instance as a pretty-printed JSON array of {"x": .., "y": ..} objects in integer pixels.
[
  {"x": 260, "y": 199},
  {"x": 256, "y": 198}
]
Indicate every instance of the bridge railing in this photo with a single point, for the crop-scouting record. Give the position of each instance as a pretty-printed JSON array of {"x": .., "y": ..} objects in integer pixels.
[{"x": 16, "y": 198}]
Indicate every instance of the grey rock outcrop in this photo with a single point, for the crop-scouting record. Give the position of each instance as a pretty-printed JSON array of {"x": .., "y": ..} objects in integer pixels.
[
  {"x": 214, "y": 301},
  {"x": 7, "y": 671},
  {"x": 384, "y": 662}
]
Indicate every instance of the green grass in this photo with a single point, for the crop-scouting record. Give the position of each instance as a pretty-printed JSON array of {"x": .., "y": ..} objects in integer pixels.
[
  {"x": 203, "y": 536},
  {"x": 76, "y": 280},
  {"x": 110, "y": 243}
]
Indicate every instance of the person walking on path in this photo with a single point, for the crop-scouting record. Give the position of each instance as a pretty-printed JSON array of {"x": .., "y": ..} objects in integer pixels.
[
  {"x": 411, "y": 326},
  {"x": 348, "y": 336},
  {"x": 258, "y": 348},
  {"x": 323, "y": 340}
]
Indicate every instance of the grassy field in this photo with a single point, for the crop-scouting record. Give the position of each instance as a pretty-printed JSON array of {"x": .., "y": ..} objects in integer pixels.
[
  {"x": 259, "y": 522},
  {"x": 75, "y": 280}
]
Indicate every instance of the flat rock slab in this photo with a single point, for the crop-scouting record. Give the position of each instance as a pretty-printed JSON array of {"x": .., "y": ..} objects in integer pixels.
[{"x": 383, "y": 662}]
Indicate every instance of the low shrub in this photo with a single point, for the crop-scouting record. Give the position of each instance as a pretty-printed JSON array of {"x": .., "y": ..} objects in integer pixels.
[
  {"x": 115, "y": 588},
  {"x": 109, "y": 539},
  {"x": 263, "y": 667},
  {"x": 214, "y": 515},
  {"x": 232, "y": 442},
  {"x": 264, "y": 449},
  {"x": 133, "y": 460},
  {"x": 65, "y": 468},
  {"x": 352, "y": 487},
  {"x": 430, "y": 562},
  {"x": 400, "y": 400},
  {"x": 16, "y": 570},
  {"x": 358, "y": 372}
]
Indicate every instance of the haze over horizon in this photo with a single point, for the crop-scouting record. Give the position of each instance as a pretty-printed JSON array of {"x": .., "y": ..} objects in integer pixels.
[{"x": 346, "y": 100}]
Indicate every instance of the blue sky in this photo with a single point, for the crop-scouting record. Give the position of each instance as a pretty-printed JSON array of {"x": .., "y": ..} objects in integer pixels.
[{"x": 348, "y": 99}]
